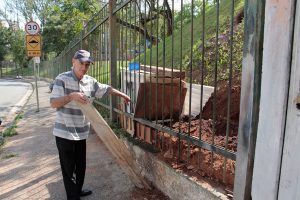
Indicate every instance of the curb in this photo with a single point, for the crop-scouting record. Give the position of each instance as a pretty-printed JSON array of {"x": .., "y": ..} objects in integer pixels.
[{"x": 8, "y": 121}]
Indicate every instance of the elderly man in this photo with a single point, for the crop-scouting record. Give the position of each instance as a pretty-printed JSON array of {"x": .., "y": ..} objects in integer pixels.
[{"x": 71, "y": 126}]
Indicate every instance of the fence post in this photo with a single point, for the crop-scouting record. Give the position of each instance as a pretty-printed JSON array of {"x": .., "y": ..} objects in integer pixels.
[
  {"x": 81, "y": 38},
  {"x": 112, "y": 56},
  {"x": 250, "y": 97},
  {"x": 1, "y": 69}
]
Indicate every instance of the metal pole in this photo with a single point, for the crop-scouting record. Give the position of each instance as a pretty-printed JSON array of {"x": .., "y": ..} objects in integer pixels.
[
  {"x": 36, "y": 87},
  {"x": 38, "y": 71},
  {"x": 16, "y": 68},
  {"x": 112, "y": 56},
  {"x": 1, "y": 69}
]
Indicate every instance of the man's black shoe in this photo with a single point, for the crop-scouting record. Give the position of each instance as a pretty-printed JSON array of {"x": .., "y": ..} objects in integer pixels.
[{"x": 85, "y": 192}]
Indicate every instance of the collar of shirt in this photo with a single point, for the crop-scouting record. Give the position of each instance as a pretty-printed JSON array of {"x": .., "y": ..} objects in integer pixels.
[{"x": 84, "y": 79}]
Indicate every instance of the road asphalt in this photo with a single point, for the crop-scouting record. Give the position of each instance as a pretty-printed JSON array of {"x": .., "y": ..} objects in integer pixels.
[
  {"x": 14, "y": 94},
  {"x": 29, "y": 164}
]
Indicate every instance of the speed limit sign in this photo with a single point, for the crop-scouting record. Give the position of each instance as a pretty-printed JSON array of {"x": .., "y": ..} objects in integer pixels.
[{"x": 32, "y": 28}]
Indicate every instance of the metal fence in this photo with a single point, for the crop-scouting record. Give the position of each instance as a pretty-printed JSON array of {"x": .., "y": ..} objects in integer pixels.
[
  {"x": 180, "y": 62},
  {"x": 12, "y": 69}
]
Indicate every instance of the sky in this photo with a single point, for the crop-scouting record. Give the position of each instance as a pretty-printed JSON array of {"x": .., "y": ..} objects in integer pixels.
[{"x": 13, "y": 17}]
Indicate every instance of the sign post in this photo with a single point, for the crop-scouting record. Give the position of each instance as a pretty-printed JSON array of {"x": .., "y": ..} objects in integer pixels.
[
  {"x": 36, "y": 63},
  {"x": 33, "y": 46}
]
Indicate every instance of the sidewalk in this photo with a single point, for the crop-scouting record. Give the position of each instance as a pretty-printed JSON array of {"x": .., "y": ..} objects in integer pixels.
[{"x": 29, "y": 164}]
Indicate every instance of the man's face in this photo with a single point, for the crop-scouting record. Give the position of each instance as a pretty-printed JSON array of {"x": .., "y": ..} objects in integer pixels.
[{"x": 80, "y": 68}]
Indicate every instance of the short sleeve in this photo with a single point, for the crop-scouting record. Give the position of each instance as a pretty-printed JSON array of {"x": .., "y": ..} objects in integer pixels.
[
  {"x": 102, "y": 89},
  {"x": 58, "y": 89}
]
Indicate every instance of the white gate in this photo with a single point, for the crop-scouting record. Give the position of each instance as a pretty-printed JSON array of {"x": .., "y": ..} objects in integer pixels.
[
  {"x": 276, "y": 172},
  {"x": 289, "y": 183}
]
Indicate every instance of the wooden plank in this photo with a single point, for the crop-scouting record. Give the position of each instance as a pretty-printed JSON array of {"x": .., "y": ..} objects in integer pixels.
[
  {"x": 126, "y": 122},
  {"x": 164, "y": 98},
  {"x": 164, "y": 80},
  {"x": 114, "y": 145},
  {"x": 279, "y": 25},
  {"x": 196, "y": 89},
  {"x": 144, "y": 132},
  {"x": 165, "y": 72},
  {"x": 290, "y": 171}
]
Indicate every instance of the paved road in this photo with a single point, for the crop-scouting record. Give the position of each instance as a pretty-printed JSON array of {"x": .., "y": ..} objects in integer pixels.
[{"x": 12, "y": 95}]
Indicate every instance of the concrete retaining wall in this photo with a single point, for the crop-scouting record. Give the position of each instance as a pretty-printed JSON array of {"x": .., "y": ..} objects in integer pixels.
[{"x": 173, "y": 184}]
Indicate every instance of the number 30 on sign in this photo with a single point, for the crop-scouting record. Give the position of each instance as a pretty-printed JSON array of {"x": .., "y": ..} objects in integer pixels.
[{"x": 32, "y": 28}]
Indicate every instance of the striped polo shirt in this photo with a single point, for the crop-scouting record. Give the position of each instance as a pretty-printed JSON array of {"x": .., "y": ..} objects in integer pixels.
[{"x": 70, "y": 122}]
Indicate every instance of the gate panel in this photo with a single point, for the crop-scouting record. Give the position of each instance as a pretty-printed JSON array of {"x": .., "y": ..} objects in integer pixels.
[
  {"x": 290, "y": 171},
  {"x": 277, "y": 47}
]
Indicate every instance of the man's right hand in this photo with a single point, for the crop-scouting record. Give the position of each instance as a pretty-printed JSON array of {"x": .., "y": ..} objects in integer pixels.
[{"x": 79, "y": 97}]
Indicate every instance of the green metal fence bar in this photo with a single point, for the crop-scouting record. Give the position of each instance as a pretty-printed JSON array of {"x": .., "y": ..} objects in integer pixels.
[{"x": 229, "y": 87}]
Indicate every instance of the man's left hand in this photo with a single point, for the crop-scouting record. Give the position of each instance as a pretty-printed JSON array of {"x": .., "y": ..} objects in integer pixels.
[{"x": 126, "y": 99}]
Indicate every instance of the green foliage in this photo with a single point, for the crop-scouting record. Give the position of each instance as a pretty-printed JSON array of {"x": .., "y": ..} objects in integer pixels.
[
  {"x": 185, "y": 14},
  {"x": 28, "y": 71},
  {"x": 17, "y": 47},
  {"x": 10, "y": 155},
  {"x": 64, "y": 21},
  {"x": 218, "y": 58},
  {"x": 12, "y": 45},
  {"x": 4, "y": 41},
  {"x": 11, "y": 131},
  {"x": 19, "y": 116},
  {"x": 2, "y": 142}
]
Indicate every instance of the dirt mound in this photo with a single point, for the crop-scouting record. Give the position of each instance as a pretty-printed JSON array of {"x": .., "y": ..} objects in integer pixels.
[
  {"x": 197, "y": 162},
  {"x": 221, "y": 108},
  {"x": 203, "y": 163}
]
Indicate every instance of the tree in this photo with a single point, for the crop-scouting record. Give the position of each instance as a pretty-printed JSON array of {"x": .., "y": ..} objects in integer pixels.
[
  {"x": 65, "y": 21},
  {"x": 12, "y": 43},
  {"x": 17, "y": 47},
  {"x": 149, "y": 12},
  {"x": 15, "y": 37},
  {"x": 4, "y": 41},
  {"x": 60, "y": 20},
  {"x": 30, "y": 9}
]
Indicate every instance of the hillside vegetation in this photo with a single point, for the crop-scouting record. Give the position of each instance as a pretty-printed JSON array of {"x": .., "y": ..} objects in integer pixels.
[{"x": 180, "y": 56}]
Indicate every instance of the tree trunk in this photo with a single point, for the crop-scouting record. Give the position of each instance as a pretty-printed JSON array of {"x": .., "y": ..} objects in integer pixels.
[{"x": 142, "y": 31}]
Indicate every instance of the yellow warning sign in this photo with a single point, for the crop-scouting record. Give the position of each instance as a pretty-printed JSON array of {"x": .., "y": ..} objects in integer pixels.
[
  {"x": 33, "y": 45},
  {"x": 34, "y": 53}
]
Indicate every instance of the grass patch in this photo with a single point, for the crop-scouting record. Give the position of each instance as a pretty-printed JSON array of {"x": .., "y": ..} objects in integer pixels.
[
  {"x": 10, "y": 155},
  {"x": 11, "y": 131},
  {"x": 2, "y": 141},
  {"x": 19, "y": 116},
  {"x": 162, "y": 55}
]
